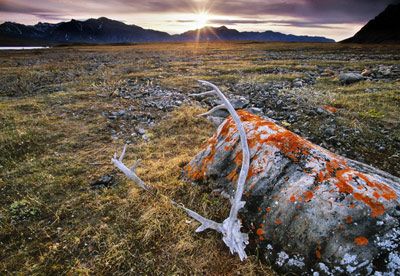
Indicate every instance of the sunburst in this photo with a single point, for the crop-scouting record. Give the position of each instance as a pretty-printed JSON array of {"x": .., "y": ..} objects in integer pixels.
[{"x": 201, "y": 19}]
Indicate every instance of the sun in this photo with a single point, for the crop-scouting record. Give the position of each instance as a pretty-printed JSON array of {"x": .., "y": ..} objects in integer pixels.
[{"x": 201, "y": 19}]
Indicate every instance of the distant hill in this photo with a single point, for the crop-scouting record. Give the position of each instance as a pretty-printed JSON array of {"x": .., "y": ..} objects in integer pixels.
[
  {"x": 104, "y": 31},
  {"x": 101, "y": 30},
  {"x": 223, "y": 33},
  {"x": 385, "y": 28}
]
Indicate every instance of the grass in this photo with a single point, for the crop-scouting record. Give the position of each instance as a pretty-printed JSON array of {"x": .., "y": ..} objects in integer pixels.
[
  {"x": 55, "y": 140},
  {"x": 53, "y": 223}
]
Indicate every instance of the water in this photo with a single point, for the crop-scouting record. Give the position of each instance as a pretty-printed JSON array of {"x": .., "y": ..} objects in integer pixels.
[{"x": 23, "y": 48}]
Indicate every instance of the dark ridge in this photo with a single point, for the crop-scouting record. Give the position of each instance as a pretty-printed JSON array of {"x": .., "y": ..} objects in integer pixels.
[
  {"x": 385, "y": 28},
  {"x": 106, "y": 31}
]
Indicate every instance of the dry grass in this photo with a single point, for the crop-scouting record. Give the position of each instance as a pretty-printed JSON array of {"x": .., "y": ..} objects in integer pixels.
[{"x": 120, "y": 230}]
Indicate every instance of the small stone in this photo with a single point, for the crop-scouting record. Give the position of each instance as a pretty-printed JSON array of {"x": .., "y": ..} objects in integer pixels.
[
  {"x": 141, "y": 131},
  {"x": 255, "y": 110},
  {"x": 104, "y": 181},
  {"x": 320, "y": 110},
  {"x": 330, "y": 131},
  {"x": 297, "y": 83}
]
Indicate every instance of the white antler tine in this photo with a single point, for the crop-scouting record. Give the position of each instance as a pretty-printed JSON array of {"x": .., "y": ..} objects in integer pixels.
[
  {"x": 215, "y": 108},
  {"x": 137, "y": 163},
  {"x": 123, "y": 153}
]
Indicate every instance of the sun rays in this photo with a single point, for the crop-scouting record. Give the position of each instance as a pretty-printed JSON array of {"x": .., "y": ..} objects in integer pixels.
[{"x": 201, "y": 19}]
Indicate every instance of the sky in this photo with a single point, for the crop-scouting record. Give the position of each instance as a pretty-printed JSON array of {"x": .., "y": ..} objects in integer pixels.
[{"x": 337, "y": 19}]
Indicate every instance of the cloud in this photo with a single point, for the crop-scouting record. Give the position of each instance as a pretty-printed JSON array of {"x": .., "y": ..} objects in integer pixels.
[
  {"x": 286, "y": 23},
  {"x": 331, "y": 11},
  {"x": 302, "y": 13}
]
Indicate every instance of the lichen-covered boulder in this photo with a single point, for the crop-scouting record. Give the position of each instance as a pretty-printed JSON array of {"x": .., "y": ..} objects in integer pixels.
[{"x": 307, "y": 209}]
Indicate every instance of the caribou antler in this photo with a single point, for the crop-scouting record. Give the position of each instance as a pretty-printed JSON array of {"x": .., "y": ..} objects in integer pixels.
[
  {"x": 130, "y": 173},
  {"x": 230, "y": 227}
]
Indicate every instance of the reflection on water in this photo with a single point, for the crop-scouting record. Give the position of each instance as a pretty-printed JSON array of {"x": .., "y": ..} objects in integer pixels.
[{"x": 23, "y": 48}]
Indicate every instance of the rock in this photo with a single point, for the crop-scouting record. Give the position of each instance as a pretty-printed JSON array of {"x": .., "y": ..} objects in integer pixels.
[
  {"x": 255, "y": 110},
  {"x": 223, "y": 113},
  {"x": 104, "y": 181},
  {"x": 141, "y": 131},
  {"x": 216, "y": 121},
  {"x": 239, "y": 103},
  {"x": 145, "y": 137},
  {"x": 297, "y": 83},
  {"x": 384, "y": 70},
  {"x": 321, "y": 111},
  {"x": 307, "y": 209},
  {"x": 330, "y": 131},
  {"x": 119, "y": 113},
  {"x": 349, "y": 78}
]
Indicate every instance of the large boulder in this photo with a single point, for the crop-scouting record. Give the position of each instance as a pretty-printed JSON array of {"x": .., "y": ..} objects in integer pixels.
[{"x": 307, "y": 209}]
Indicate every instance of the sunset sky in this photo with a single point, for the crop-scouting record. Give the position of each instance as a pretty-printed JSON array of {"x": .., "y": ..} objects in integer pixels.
[{"x": 336, "y": 19}]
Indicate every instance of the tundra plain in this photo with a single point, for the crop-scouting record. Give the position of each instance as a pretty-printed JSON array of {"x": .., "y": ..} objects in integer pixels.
[{"x": 64, "y": 111}]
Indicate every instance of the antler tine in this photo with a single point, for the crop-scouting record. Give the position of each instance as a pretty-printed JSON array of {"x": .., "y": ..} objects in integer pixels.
[
  {"x": 134, "y": 166},
  {"x": 121, "y": 157},
  {"x": 233, "y": 238},
  {"x": 207, "y": 93},
  {"x": 215, "y": 108}
]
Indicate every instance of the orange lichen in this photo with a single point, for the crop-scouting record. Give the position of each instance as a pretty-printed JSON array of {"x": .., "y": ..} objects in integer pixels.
[
  {"x": 348, "y": 219},
  {"x": 233, "y": 175},
  {"x": 330, "y": 108},
  {"x": 361, "y": 241},
  {"x": 334, "y": 169},
  {"x": 308, "y": 195},
  {"x": 260, "y": 232},
  {"x": 278, "y": 221},
  {"x": 268, "y": 209},
  {"x": 318, "y": 254},
  {"x": 377, "y": 208}
]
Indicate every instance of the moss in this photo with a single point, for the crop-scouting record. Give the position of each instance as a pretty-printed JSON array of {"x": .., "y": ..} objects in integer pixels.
[{"x": 22, "y": 209}]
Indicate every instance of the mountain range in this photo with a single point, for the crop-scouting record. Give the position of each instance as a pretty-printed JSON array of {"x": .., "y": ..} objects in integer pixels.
[
  {"x": 104, "y": 31},
  {"x": 385, "y": 28}
]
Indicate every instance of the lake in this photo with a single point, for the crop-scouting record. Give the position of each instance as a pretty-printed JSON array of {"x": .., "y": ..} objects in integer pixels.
[{"x": 23, "y": 48}]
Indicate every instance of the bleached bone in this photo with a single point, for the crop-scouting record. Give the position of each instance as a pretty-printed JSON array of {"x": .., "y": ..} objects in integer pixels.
[
  {"x": 230, "y": 227},
  {"x": 207, "y": 93},
  {"x": 130, "y": 173}
]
